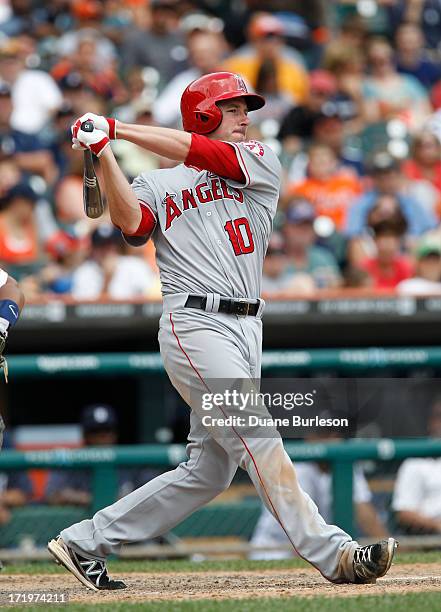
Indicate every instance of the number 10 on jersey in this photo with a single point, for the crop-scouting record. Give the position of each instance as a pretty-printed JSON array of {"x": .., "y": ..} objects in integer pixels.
[{"x": 239, "y": 233}]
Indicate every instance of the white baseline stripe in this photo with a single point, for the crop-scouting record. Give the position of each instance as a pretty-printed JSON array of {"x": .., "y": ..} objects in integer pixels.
[{"x": 411, "y": 578}]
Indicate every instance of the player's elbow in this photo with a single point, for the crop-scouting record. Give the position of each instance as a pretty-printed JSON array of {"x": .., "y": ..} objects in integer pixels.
[
  {"x": 126, "y": 225},
  {"x": 127, "y": 228},
  {"x": 140, "y": 222}
]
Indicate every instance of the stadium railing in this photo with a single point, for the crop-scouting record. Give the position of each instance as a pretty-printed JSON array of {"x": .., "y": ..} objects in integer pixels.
[
  {"x": 105, "y": 461},
  {"x": 340, "y": 359}
]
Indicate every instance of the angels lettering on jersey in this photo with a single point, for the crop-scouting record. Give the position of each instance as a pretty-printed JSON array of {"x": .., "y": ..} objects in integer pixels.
[{"x": 211, "y": 190}]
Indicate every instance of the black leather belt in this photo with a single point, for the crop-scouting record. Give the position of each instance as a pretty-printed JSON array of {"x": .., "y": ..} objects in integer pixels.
[{"x": 228, "y": 305}]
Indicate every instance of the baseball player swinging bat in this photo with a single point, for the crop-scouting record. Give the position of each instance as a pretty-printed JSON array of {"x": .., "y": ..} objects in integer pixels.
[
  {"x": 210, "y": 218},
  {"x": 93, "y": 202}
]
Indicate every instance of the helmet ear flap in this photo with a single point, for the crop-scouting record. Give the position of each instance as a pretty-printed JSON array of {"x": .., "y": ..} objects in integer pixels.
[
  {"x": 202, "y": 117},
  {"x": 207, "y": 121}
]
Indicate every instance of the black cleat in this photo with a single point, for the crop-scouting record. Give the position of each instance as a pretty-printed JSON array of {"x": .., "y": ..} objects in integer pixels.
[
  {"x": 373, "y": 561},
  {"x": 90, "y": 572}
]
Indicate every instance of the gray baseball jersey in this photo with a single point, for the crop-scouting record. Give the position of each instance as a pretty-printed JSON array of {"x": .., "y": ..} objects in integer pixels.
[
  {"x": 212, "y": 233},
  {"x": 211, "y": 238}
]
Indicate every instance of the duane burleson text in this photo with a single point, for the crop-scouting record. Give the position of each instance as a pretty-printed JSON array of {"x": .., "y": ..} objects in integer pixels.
[{"x": 259, "y": 421}]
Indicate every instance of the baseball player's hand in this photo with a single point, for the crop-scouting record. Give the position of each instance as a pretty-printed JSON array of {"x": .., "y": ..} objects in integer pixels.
[
  {"x": 106, "y": 124},
  {"x": 96, "y": 141}
]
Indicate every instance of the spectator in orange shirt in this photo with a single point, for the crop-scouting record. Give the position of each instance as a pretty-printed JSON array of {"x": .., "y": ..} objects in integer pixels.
[
  {"x": 330, "y": 188},
  {"x": 19, "y": 233},
  {"x": 425, "y": 163},
  {"x": 389, "y": 267},
  {"x": 265, "y": 37},
  {"x": 423, "y": 172}
]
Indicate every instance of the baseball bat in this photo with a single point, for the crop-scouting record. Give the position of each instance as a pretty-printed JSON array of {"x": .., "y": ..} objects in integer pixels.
[{"x": 92, "y": 200}]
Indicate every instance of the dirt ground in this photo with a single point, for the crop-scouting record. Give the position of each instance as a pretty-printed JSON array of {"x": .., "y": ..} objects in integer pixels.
[{"x": 228, "y": 585}]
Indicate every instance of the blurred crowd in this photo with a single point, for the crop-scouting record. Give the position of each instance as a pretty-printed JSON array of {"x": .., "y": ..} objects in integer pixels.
[{"x": 353, "y": 110}]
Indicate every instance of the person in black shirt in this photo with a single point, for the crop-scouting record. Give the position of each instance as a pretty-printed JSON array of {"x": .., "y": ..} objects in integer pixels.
[
  {"x": 298, "y": 124},
  {"x": 74, "y": 487}
]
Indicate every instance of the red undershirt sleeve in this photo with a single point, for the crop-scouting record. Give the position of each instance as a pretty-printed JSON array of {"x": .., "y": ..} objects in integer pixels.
[
  {"x": 148, "y": 220},
  {"x": 216, "y": 156},
  {"x": 145, "y": 228}
]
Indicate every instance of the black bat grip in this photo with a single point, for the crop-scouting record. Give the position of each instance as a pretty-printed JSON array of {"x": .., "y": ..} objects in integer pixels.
[{"x": 87, "y": 126}]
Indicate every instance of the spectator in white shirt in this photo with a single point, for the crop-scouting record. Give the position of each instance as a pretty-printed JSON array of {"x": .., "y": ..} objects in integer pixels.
[
  {"x": 417, "y": 493},
  {"x": 427, "y": 279},
  {"x": 35, "y": 95},
  {"x": 108, "y": 273}
]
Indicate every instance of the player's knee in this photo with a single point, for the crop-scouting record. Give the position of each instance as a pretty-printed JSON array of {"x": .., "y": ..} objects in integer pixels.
[
  {"x": 263, "y": 454},
  {"x": 209, "y": 482},
  {"x": 218, "y": 484},
  {"x": 224, "y": 483}
]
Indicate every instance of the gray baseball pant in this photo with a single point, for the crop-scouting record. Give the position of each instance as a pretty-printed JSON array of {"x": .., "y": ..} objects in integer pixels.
[{"x": 197, "y": 347}]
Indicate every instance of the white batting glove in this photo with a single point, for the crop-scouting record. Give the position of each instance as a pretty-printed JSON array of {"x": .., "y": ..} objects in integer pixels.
[
  {"x": 96, "y": 141},
  {"x": 106, "y": 124}
]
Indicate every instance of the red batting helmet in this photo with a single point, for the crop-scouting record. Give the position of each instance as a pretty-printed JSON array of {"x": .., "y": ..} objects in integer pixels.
[{"x": 199, "y": 109}]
